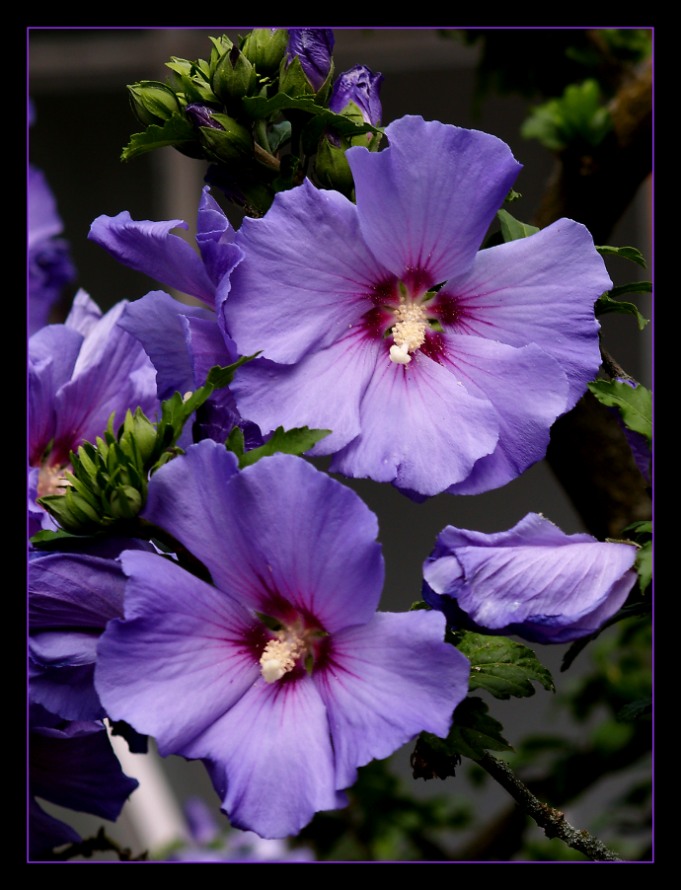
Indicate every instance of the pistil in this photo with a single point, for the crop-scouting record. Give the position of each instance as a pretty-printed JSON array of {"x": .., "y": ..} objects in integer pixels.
[{"x": 408, "y": 332}]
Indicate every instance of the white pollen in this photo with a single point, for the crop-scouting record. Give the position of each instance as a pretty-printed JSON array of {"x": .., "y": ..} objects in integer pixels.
[
  {"x": 399, "y": 355},
  {"x": 279, "y": 657},
  {"x": 408, "y": 332}
]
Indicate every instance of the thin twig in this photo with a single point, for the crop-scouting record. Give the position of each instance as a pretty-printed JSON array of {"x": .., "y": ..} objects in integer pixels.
[{"x": 551, "y": 820}]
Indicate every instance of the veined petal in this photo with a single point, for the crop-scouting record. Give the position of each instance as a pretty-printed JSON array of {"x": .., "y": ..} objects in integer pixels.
[
  {"x": 215, "y": 237},
  {"x": 427, "y": 200},
  {"x": 150, "y": 248},
  {"x": 296, "y": 538},
  {"x": 157, "y": 322},
  {"x": 420, "y": 428},
  {"x": 542, "y": 290},
  {"x": 528, "y": 390},
  {"x": 112, "y": 374},
  {"x": 180, "y": 659},
  {"x": 322, "y": 391},
  {"x": 272, "y": 755},
  {"x": 378, "y": 686},
  {"x": 306, "y": 276}
]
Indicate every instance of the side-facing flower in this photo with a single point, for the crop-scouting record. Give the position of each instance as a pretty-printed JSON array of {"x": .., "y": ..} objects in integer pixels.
[
  {"x": 280, "y": 675},
  {"x": 50, "y": 267},
  {"x": 437, "y": 365},
  {"x": 533, "y": 581},
  {"x": 79, "y": 374}
]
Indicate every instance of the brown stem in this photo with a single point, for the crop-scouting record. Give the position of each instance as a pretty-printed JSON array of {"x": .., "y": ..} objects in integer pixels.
[{"x": 551, "y": 820}]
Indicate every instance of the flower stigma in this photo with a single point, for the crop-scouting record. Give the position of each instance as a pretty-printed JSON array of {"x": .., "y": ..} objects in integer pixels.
[{"x": 408, "y": 332}]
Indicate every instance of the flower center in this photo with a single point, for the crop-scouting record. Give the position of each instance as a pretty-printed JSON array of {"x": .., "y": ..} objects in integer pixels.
[
  {"x": 280, "y": 654},
  {"x": 52, "y": 480},
  {"x": 408, "y": 332}
]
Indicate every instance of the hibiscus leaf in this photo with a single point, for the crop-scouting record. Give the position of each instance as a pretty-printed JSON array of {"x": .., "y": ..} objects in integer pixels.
[
  {"x": 502, "y": 667},
  {"x": 295, "y": 441},
  {"x": 644, "y": 565},
  {"x": 635, "y": 404},
  {"x": 606, "y": 304},
  {"x": 628, "y": 253},
  {"x": 512, "y": 229},
  {"x": 472, "y": 733},
  {"x": 177, "y": 130}
]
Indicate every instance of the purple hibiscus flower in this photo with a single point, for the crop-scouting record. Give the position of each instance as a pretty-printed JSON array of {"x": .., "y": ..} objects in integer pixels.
[
  {"x": 533, "y": 580},
  {"x": 438, "y": 366},
  {"x": 280, "y": 675},
  {"x": 79, "y": 374},
  {"x": 50, "y": 267},
  {"x": 71, "y": 764}
]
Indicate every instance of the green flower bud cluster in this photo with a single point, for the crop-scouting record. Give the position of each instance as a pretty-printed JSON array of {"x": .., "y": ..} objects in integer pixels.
[
  {"x": 107, "y": 484},
  {"x": 108, "y": 480},
  {"x": 257, "y": 110}
]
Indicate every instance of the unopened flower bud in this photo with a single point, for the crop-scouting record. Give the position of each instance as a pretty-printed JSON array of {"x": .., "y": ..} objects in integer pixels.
[
  {"x": 152, "y": 102},
  {"x": 233, "y": 77},
  {"x": 308, "y": 53},
  {"x": 264, "y": 48},
  {"x": 230, "y": 142},
  {"x": 358, "y": 88}
]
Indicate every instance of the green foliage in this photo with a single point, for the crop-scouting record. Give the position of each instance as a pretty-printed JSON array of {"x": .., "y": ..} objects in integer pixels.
[
  {"x": 472, "y": 733},
  {"x": 383, "y": 822},
  {"x": 635, "y": 404},
  {"x": 627, "y": 253},
  {"x": 512, "y": 229},
  {"x": 295, "y": 441},
  {"x": 606, "y": 303},
  {"x": 577, "y": 120},
  {"x": 503, "y": 667},
  {"x": 259, "y": 120},
  {"x": 642, "y": 534}
]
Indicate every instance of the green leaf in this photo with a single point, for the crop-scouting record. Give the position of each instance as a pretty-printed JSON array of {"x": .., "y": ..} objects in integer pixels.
[
  {"x": 295, "y": 441},
  {"x": 635, "y": 404},
  {"x": 634, "y": 287},
  {"x": 627, "y": 253},
  {"x": 512, "y": 229},
  {"x": 644, "y": 565},
  {"x": 606, "y": 304},
  {"x": 503, "y": 667},
  {"x": 176, "y": 131},
  {"x": 259, "y": 107},
  {"x": 474, "y": 731},
  {"x": 576, "y": 119}
]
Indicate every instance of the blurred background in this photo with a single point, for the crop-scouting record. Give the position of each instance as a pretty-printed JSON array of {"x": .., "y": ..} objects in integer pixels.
[{"x": 82, "y": 121}]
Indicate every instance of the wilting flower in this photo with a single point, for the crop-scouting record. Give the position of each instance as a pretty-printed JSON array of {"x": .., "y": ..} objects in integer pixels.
[
  {"x": 533, "y": 580},
  {"x": 279, "y": 675},
  {"x": 359, "y": 85},
  {"x": 73, "y": 765},
  {"x": 313, "y": 48},
  {"x": 50, "y": 267},
  {"x": 79, "y": 374},
  {"x": 437, "y": 365}
]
